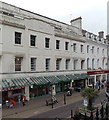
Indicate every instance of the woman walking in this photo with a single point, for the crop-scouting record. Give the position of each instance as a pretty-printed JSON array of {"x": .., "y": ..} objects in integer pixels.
[{"x": 24, "y": 100}]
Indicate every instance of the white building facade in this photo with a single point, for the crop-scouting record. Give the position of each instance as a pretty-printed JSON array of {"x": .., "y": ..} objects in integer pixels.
[{"x": 39, "y": 55}]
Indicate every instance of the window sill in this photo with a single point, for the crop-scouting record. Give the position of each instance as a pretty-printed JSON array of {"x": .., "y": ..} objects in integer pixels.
[
  {"x": 18, "y": 45},
  {"x": 47, "y": 48},
  {"x": 33, "y": 46}
]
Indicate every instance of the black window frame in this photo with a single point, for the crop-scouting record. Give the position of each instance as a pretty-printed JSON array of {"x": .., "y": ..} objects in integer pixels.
[
  {"x": 66, "y": 45},
  {"x": 58, "y": 44},
  {"x": 18, "y": 36},
  {"x": 33, "y": 40},
  {"x": 47, "y": 42}
]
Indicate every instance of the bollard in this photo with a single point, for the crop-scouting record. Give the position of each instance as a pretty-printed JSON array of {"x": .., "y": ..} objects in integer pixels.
[
  {"x": 52, "y": 103},
  {"x": 64, "y": 99},
  {"x": 71, "y": 113}
]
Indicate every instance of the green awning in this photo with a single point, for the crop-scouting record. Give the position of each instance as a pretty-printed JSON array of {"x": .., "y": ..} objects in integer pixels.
[
  {"x": 39, "y": 81},
  {"x": 19, "y": 82},
  {"x": 52, "y": 79},
  {"x": 63, "y": 78},
  {"x": 7, "y": 84},
  {"x": 72, "y": 77},
  {"x": 82, "y": 76},
  {"x": 15, "y": 83}
]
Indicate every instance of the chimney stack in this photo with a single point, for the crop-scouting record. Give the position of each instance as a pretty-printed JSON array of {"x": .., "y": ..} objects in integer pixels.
[
  {"x": 101, "y": 34},
  {"x": 77, "y": 22}
]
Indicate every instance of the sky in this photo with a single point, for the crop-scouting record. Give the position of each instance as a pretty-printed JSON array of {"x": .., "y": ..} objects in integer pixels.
[{"x": 93, "y": 12}]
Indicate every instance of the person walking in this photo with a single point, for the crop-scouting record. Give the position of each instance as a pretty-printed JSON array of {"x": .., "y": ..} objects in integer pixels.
[
  {"x": 12, "y": 103},
  {"x": 24, "y": 100},
  {"x": 7, "y": 103},
  {"x": 19, "y": 99}
]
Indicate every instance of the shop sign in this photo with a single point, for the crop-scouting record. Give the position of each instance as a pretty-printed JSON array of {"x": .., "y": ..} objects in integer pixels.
[{"x": 97, "y": 72}]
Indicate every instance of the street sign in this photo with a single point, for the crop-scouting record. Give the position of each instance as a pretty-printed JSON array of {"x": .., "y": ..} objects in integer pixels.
[{"x": 85, "y": 103}]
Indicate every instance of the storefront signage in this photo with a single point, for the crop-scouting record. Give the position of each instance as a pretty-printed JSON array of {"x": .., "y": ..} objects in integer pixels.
[{"x": 97, "y": 72}]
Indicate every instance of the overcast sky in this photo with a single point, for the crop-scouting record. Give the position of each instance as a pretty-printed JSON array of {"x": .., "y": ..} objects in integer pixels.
[{"x": 93, "y": 12}]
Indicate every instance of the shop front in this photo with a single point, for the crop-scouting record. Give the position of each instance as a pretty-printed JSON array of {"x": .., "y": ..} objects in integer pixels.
[
  {"x": 12, "y": 93},
  {"x": 99, "y": 77},
  {"x": 36, "y": 91}
]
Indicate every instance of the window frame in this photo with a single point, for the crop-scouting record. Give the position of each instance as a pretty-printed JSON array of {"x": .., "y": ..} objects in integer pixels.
[
  {"x": 18, "y": 63},
  {"x": 57, "y": 44},
  {"x": 47, "y": 42},
  {"x": 32, "y": 40},
  {"x": 33, "y": 63},
  {"x": 47, "y": 64},
  {"x": 18, "y": 37},
  {"x": 66, "y": 45},
  {"x": 58, "y": 63},
  {"x": 67, "y": 62},
  {"x": 74, "y": 47}
]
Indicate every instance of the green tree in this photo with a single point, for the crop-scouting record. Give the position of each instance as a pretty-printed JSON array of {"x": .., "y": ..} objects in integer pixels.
[{"x": 89, "y": 94}]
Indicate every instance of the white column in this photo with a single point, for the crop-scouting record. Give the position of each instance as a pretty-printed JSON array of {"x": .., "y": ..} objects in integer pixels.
[
  {"x": 95, "y": 79},
  {"x": 27, "y": 93},
  {"x": 101, "y": 77},
  {"x": 53, "y": 90}
]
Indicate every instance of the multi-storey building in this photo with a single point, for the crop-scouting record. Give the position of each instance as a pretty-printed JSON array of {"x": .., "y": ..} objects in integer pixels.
[{"x": 40, "y": 55}]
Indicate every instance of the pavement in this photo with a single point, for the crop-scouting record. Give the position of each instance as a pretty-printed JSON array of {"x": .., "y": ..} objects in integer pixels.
[{"x": 38, "y": 105}]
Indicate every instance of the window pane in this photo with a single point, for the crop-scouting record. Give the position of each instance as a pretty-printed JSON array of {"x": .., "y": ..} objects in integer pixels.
[
  {"x": 33, "y": 64},
  {"x": 32, "y": 40},
  {"x": 58, "y": 61},
  {"x": 57, "y": 44},
  {"x": 18, "y": 61},
  {"x": 67, "y": 64},
  {"x": 47, "y": 67},
  {"x": 47, "y": 42},
  {"x": 66, "y": 45},
  {"x": 17, "y": 38}
]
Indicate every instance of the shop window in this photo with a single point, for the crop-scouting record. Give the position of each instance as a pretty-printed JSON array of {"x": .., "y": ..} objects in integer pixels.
[
  {"x": 17, "y": 38},
  {"x": 32, "y": 40},
  {"x": 33, "y": 64},
  {"x": 18, "y": 62}
]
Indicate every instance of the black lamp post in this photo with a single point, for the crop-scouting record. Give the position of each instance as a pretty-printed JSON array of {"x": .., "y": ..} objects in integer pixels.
[
  {"x": 52, "y": 103},
  {"x": 64, "y": 99},
  {"x": 71, "y": 113}
]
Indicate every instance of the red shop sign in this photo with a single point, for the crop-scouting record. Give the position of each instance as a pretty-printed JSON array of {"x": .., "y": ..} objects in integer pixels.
[{"x": 97, "y": 72}]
